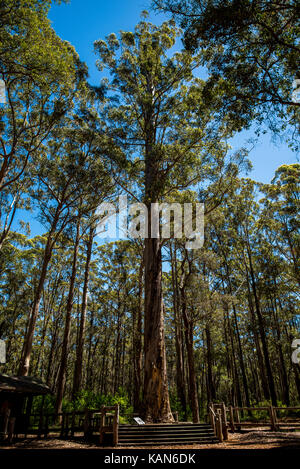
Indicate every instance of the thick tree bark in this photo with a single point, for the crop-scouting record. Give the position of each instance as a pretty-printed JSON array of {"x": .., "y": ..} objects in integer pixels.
[
  {"x": 137, "y": 345},
  {"x": 156, "y": 394}
]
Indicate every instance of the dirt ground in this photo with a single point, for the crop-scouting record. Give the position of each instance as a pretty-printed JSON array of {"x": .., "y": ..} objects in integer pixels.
[{"x": 251, "y": 440}]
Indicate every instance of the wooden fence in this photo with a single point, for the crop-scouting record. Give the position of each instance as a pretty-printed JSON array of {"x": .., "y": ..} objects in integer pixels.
[
  {"x": 66, "y": 424},
  {"x": 223, "y": 418}
]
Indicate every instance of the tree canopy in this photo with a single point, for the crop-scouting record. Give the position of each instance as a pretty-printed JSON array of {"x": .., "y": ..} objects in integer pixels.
[{"x": 254, "y": 46}]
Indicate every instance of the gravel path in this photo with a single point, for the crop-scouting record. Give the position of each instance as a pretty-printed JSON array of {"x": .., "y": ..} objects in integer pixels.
[{"x": 250, "y": 440}]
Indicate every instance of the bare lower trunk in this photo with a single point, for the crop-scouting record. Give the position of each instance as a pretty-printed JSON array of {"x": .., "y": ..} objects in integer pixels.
[
  {"x": 137, "y": 346},
  {"x": 156, "y": 395}
]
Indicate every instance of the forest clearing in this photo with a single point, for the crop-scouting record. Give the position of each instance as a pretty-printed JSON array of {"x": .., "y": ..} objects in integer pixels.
[{"x": 149, "y": 224}]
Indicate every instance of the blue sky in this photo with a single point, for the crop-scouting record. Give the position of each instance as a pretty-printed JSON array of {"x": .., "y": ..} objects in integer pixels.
[{"x": 83, "y": 22}]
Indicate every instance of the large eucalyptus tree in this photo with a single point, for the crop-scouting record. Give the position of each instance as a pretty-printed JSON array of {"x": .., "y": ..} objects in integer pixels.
[{"x": 172, "y": 137}]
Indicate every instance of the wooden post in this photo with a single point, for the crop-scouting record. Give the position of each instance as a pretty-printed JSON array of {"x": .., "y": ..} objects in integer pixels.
[
  {"x": 102, "y": 422},
  {"x": 5, "y": 422},
  {"x": 86, "y": 424},
  {"x": 66, "y": 426},
  {"x": 272, "y": 418},
  {"x": 275, "y": 419},
  {"x": 212, "y": 420},
  {"x": 62, "y": 426},
  {"x": 40, "y": 429},
  {"x": 73, "y": 424},
  {"x": 224, "y": 422},
  {"x": 115, "y": 425},
  {"x": 219, "y": 425},
  {"x": 11, "y": 427},
  {"x": 237, "y": 413},
  {"x": 27, "y": 415},
  {"x": 46, "y": 426},
  {"x": 231, "y": 418}
]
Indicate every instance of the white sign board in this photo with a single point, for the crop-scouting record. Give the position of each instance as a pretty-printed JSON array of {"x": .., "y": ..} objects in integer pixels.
[
  {"x": 138, "y": 421},
  {"x": 2, "y": 351}
]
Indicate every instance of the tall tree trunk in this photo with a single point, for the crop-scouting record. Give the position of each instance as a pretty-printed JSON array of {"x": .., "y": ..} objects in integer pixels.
[
  {"x": 89, "y": 374},
  {"x": 28, "y": 340},
  {"x": 296, "y": 370},
  {"x": 64, "y": 353},
  {"x": 235, "y": 374},
  {"x": 54, "y": 340},
  {"x": 137, "y": 344},
  {"x": 263, "y": 377},
  {"x": 211, "y": 390},
  {"x": 189, "y": 339},
  {"x": 283, "y": 370},
  {"x": 156, "y": 393},
  {"x": 262, "y": 331},
  {"x": 80, "y": 344},
  {"x": 180, "y": 382}
]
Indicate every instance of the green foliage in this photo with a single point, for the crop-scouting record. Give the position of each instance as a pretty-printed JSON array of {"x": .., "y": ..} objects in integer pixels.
[{"x": 254, "y": 46}]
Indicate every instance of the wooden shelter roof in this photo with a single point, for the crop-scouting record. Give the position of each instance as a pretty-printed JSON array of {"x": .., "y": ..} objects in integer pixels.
[{"x": 23, "y": 385}]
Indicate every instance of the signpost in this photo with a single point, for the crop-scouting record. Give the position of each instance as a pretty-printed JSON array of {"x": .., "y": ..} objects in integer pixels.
[{"x": 138, "y": 421}]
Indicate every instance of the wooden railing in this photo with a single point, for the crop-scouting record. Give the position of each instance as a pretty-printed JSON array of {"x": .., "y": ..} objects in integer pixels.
[
  {"x": 273, "y": 419},
  {"x": 109, "y": 422},
  {"x": 223, "y": 418},
  {"x": 218, "y": 420},
  {"x": 64, "y": 424}
]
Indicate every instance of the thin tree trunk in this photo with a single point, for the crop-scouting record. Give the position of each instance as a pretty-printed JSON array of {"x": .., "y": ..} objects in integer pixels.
[
  {"x": 64, "y": 353},
  {"x": 180, "y": 384},
  {"x": 211, "y": 390},
  {"x": 189, "y": 339},
  {"x": 27, "y": 347},
  {"x": 262, "y": 332},
  {"x": 80, "y": 344}
]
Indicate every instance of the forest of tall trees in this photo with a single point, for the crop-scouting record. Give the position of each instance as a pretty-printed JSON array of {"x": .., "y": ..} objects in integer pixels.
[{"x": 145, "y": 322}]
